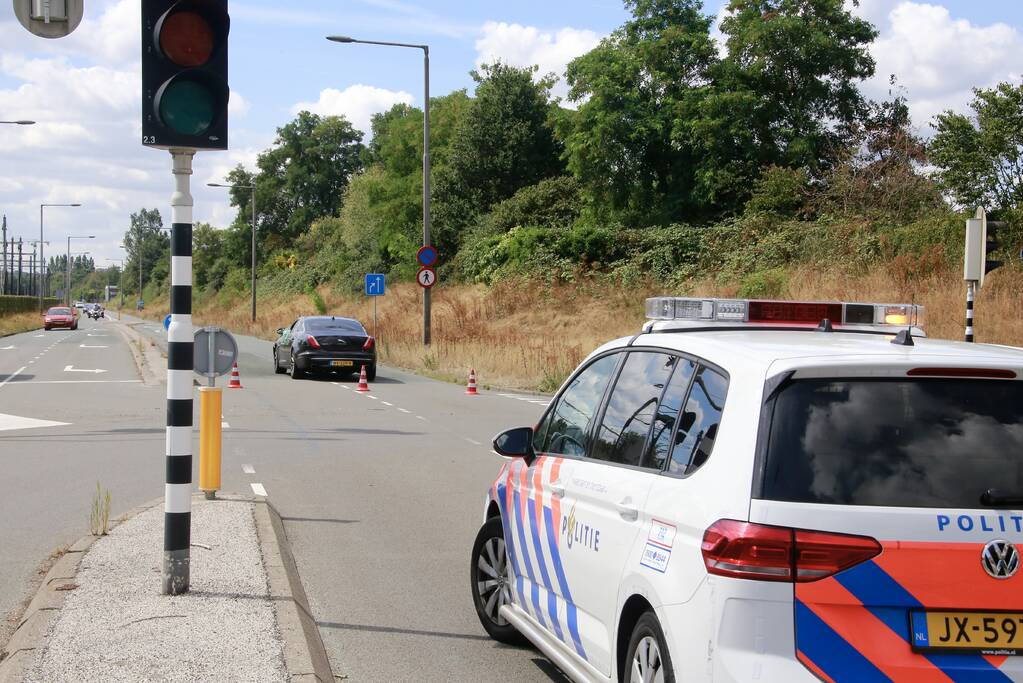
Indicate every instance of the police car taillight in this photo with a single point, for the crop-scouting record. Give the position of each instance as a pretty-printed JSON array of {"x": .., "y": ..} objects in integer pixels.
[
  {"x": 810, "y": 313},
  {"x": 759, "y": 552}
]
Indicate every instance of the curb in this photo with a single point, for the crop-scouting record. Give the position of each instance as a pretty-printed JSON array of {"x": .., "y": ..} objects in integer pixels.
[
  {"x": 305, "y": 658},
  {"x": 18, "y": 656},
  {"x": 142, "y": 362}
]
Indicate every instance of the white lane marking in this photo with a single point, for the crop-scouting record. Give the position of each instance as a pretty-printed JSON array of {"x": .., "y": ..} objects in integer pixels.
[
  {"x": 474, "y": 442},
  {"x": 32, "y": 361},
  {"x": 38, "y": 335},
  {"x": 70, "y": 368},
  {"x": 11, "y": 422},
  {"x": 12, "y": 376},
  {"x": 407, "y": 412},
  {"x": 258, "y": 489},
  {"x": 540, "y": 403},
  {"x": 87, "y": 346},
  {"x": 97, "y": 335},
  {"x": 346, "y": 388},
  {"x": 372, "y": 397},
  {"x": 248, "y": 469},
  {"x": 420, "y": 417},
  {"x": 6, "y": 348},
  {"x": 387, "y": 404},
  {"x": 78, "y": 381},
  {"x": 224, "y": 425}
]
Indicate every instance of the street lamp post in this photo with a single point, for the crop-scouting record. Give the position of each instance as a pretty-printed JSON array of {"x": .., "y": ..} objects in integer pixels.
[
  {"x": 253, "y": 240},
  {"x": 41, "y": 275},
  {"x": 67, "y": 265},
  {"x": 426, "y": 154}
]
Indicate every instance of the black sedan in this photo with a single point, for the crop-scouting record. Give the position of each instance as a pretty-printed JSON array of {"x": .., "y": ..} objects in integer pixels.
[{"x": 325, "y": 344}]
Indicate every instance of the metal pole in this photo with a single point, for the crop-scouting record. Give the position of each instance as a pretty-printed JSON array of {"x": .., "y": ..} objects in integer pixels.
[
  {"x": 253, "y": 249},
  {"x": 3, "y": 268},
  {"x": 971, "y": 292},
  {"x": 426, "y": 184},
  {"x": 67, "y": 273},
  {"x": 177, "y": 523},
  {"x": 32, "y": 268},
  {"x": 19, "y": 264},
  {"x": 40, "y": 248}
]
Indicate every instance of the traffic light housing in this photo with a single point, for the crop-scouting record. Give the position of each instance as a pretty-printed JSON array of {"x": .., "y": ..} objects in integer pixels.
[
  {"x": 981, "y": 242},
  {"x": 184, "y": 74}
]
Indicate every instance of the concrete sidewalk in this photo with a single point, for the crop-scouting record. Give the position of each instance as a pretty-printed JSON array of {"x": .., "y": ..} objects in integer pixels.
[{"x": 241, "y": 620}]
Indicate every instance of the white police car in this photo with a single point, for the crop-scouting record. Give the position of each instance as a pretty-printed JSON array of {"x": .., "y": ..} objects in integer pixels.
[{"x": 767, "y": 491}]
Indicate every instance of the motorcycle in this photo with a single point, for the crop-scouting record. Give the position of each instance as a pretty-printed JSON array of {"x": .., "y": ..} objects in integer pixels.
[{"x": 95, "y": 313}]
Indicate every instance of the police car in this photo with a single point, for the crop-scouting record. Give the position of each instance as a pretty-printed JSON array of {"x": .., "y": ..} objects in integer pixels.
[{"x": 766, "y": 491}]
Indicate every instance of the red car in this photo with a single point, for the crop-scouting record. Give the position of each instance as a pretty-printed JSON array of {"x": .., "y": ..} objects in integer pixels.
[{"x": 60, "y": 316}]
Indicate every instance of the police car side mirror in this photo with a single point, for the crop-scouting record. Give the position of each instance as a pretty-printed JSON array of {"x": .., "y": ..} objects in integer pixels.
[
  {"x": 515, "y": 443},
  {"x": 280, "y": 330}
]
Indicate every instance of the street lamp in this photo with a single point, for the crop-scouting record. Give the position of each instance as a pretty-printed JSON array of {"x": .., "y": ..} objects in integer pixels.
[
  {"x": 253, "y": 188},
  {"x": 426, "y": 154},
  {"x": 33, "y": 264},
  {"x": 42, "y": 280},
  {"x": 20, "y": 122},
  {"x": 67, "y": 264}
]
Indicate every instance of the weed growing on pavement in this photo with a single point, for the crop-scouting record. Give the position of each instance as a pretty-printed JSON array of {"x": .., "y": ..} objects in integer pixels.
[{"x": 99, "y": 517}]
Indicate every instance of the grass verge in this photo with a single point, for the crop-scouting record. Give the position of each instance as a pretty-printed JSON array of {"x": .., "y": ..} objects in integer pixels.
[
  {"x": 524, "y": 334},
  {"x": 15, "y": 323}
]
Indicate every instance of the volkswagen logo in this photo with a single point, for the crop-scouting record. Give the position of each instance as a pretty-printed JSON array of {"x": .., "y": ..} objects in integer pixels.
[{"x": 1000, "y": 559}]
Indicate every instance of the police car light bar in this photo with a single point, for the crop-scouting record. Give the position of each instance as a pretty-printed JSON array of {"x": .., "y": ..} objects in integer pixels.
[{"x": 700, "y": 312}]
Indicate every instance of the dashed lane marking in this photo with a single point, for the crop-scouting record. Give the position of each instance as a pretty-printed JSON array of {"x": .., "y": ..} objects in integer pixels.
[
  {"x": 6, "y": 348},
  {"x": 420, "y": 417},
  {"x": 258, "y": 489},
  {"x": 248, "y": 469},
  {"x": 387, "y": 404},
  {"x": 372, "y": 397},
  {"x": 224, "y": 425},
  {"x": 407, "y": 412},
  {"x": 474, "y": 442},
  {"x": 76, "y": 381}
]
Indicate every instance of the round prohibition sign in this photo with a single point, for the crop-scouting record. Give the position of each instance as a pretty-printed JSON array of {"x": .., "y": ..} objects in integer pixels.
[{"x": 426, "y": 277}]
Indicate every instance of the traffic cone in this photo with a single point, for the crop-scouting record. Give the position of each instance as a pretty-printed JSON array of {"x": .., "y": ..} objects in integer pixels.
[
  {"x": 236, "y": 380},
  {"x": 363, "y": 384},
  {"x": 471, "y": 388}
]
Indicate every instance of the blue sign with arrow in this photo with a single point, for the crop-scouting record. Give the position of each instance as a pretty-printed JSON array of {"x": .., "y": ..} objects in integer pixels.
[
  {"x": 375, "y": 284},
  {"x": 166, "y": 322}
]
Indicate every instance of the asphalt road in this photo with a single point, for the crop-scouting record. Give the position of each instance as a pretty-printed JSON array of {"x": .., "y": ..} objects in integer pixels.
[{"x": 381, "y": 494}]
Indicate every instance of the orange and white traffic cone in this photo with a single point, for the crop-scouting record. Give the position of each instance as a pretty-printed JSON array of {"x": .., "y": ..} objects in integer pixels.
[
  {"x": 471, "y": 388},
  {"x": 363, "y": 384},
  {"x": 236, "y": 380}
]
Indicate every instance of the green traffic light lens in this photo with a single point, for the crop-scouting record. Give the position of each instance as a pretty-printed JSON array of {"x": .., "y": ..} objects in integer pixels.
[{"x": 187, "y": 107}]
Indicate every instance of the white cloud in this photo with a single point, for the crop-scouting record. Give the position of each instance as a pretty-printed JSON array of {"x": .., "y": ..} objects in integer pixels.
[
  {"x": 523, "y": 46},
  {"x": 357, "y": 103},
  {"x": 938, "y": 58}
]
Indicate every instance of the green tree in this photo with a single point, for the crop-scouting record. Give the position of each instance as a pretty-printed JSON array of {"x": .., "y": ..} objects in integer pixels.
[
  {"x": 148, "y": 249},
  {"x": 628, "y": 144},
  {"x": 207, "y": 247},
  {"x": 301, "y": 178},
  {"x": 784, "y": 93},
  {"x": 503, "y": 143},
  {"x": 980, "y": 158}
]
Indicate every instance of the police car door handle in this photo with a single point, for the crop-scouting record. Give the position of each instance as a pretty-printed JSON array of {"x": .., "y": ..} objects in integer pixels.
[
  {"x": 557, "y": 489},
  {"x": 627, "y": 510}
]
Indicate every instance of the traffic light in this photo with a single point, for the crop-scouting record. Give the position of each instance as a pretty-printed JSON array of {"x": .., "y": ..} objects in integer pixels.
[
  {"x": 981, "y": 241},
  {"x": 184, "y": 74},
  {"x": 991, "y": 244}
]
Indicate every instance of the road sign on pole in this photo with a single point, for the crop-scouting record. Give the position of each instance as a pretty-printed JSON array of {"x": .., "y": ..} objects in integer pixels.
[
  {"x": 166, "y": 322},
  {"x": 427, "y": 256},
  {"x": 375, "y": 285},
  {"x": 426, "y": 277}
]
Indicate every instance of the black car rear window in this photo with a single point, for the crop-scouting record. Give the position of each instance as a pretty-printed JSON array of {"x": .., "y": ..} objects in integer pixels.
[
  {"x": 903, "y": 443},
  {"x": 337, "y": 326}
]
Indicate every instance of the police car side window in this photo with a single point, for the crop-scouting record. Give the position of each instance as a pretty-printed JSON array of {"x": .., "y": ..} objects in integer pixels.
[
  {"x": 698, "y": 424},
  {"x": 567, "y": 426},
  {"x": 668, "y": 412},
  {"x": 632, "y": 407}
]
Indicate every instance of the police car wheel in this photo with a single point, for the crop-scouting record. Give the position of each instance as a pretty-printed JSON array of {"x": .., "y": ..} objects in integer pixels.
[
  {"x": 490, "y": 581},
  {"x": 648, "y": 660},
  {"x": 277, "y": 365}
]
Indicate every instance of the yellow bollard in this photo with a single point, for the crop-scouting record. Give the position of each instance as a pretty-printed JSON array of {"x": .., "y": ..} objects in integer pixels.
[{"x": 210, "y": 412}]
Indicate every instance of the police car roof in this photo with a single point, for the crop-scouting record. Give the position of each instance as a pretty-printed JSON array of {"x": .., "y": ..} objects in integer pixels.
[{"x": 757, "y": 350}]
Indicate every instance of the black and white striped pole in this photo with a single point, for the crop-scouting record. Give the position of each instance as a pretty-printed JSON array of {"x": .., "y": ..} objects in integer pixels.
[
  {"x": 971, "y": 288},
  {"x": 177, "y": 523}
]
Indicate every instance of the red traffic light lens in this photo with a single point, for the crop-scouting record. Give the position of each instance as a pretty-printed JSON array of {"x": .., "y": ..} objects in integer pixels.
[{"x": 187, "y": 39}]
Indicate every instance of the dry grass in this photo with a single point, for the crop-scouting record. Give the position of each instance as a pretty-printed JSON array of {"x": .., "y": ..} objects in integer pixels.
[
  {"x": 525, "y": 335},
  {"x": 19, "y": 322}
]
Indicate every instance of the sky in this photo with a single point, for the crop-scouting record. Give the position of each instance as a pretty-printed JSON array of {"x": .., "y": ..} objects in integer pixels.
[{"x": 85, "y": 92}]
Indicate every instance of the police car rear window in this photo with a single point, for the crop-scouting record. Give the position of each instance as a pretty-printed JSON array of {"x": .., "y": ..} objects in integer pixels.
[{"x": 903, "y": 443}]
